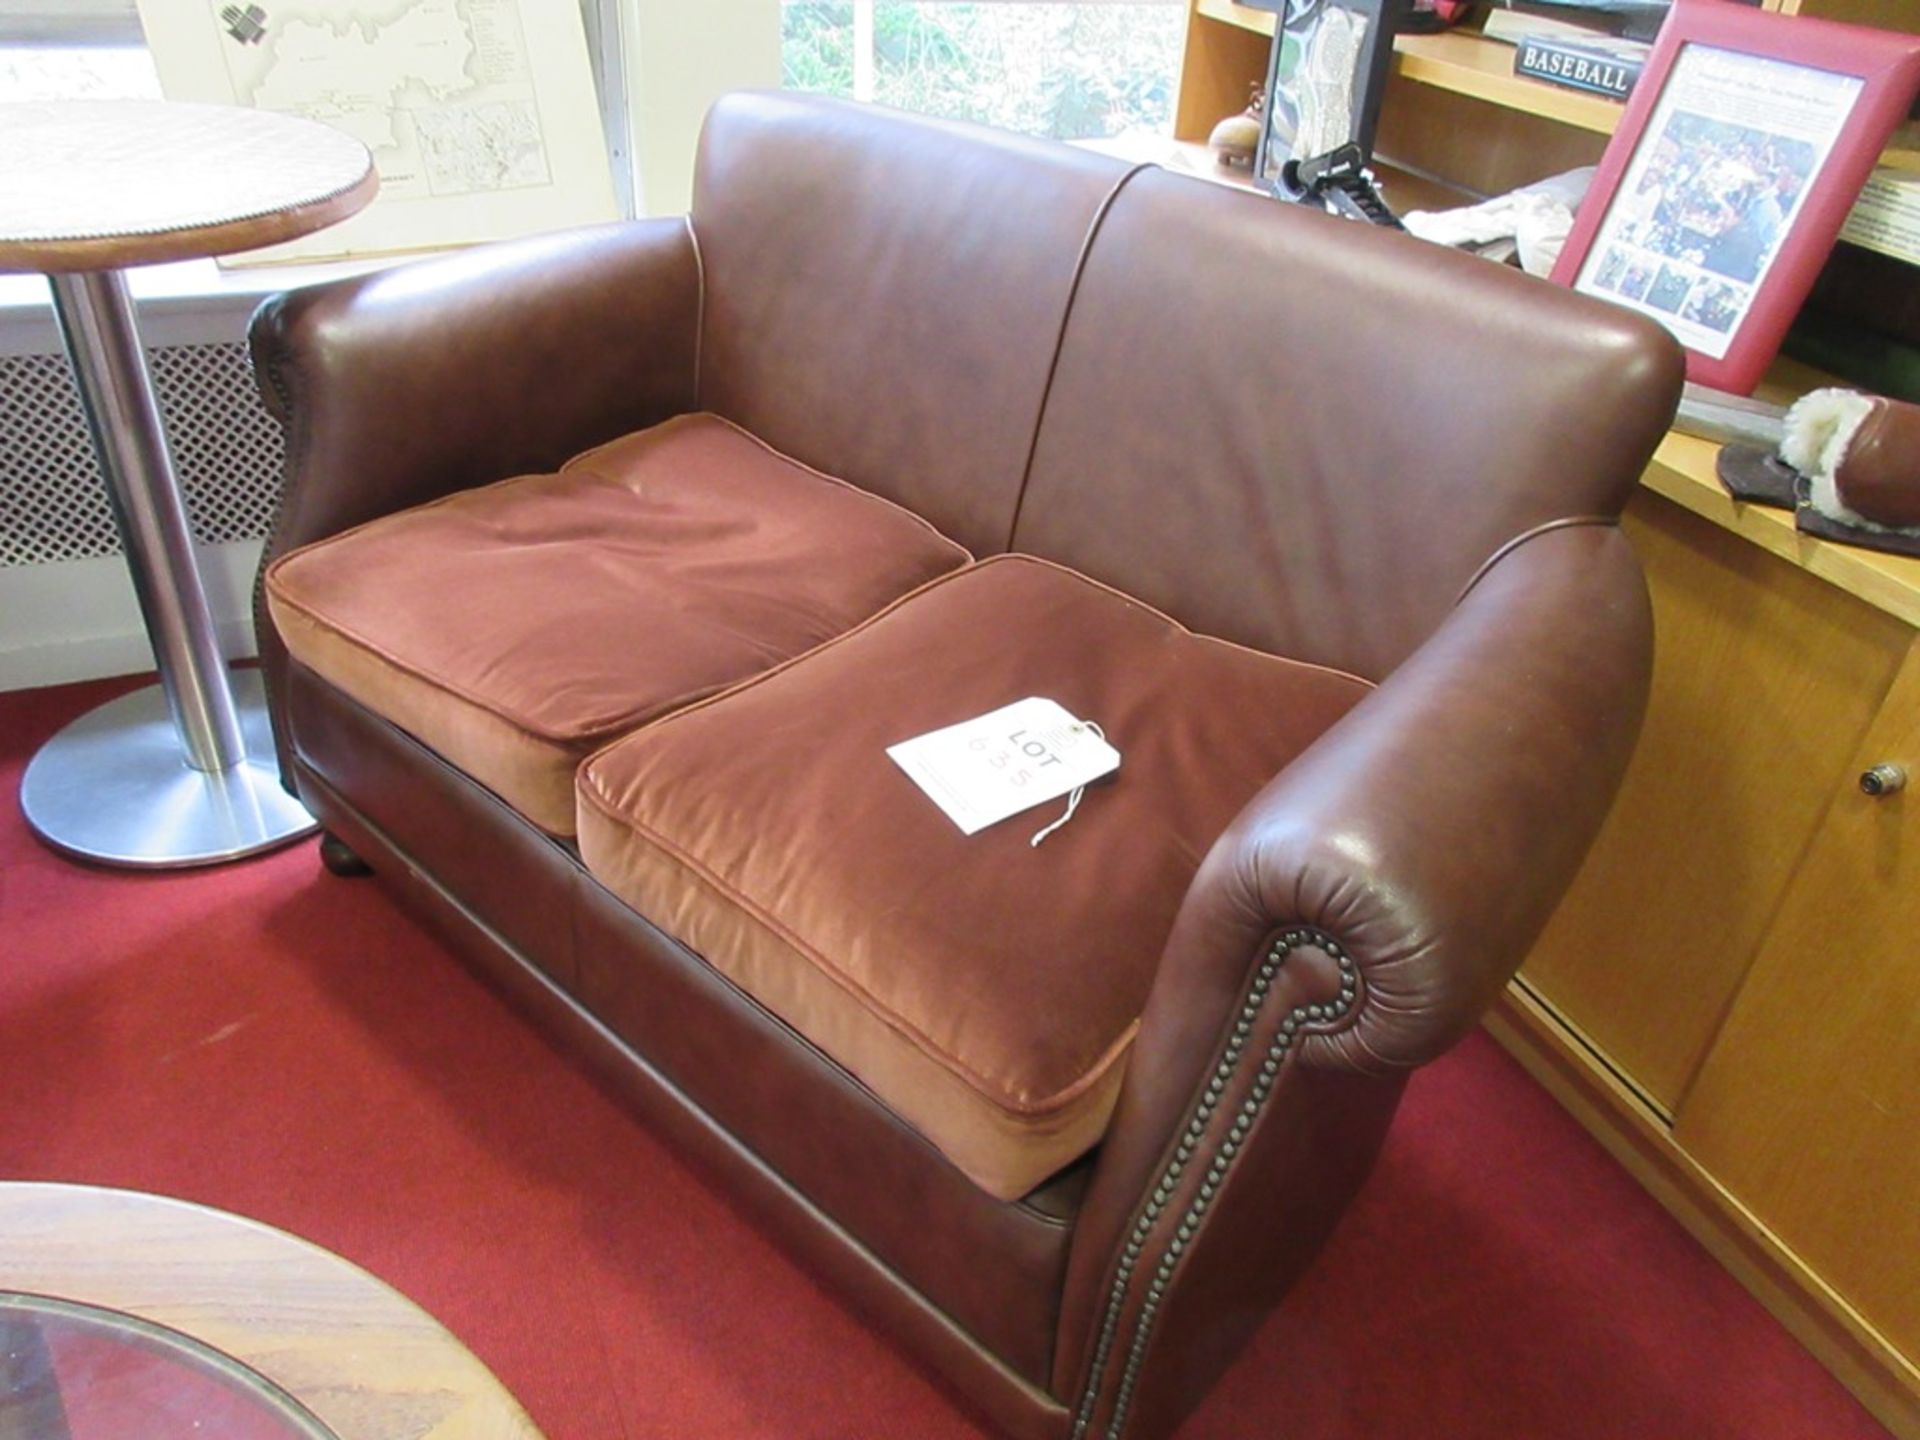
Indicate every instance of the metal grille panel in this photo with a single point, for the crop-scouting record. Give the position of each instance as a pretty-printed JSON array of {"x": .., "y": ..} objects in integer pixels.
[{"x": 53, "y": 499}]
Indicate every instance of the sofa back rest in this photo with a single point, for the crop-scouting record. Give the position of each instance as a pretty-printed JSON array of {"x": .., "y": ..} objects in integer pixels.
[
  {"x": 1308, "y": 435},
  {"x": 884, "y": 294}
]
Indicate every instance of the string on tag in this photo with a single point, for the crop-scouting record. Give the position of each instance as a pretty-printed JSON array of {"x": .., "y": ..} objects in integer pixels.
[{"x": 1073, "y": 799}]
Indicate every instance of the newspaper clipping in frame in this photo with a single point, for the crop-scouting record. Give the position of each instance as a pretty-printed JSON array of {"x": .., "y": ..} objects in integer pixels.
[{"x": 1713, "y": 188}]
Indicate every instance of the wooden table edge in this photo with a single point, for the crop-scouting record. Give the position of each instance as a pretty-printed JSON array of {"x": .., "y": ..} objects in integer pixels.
[{"x": 80, "y": 254}]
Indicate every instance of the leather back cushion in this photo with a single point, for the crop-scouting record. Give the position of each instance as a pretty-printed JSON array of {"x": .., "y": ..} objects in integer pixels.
[
  {"x": 884, "y": 294},
  {"x": 1307, "y": 435}
]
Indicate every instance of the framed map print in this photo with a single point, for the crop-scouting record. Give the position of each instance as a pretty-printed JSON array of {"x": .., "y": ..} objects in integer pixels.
[{"x": 481, "y": 114}]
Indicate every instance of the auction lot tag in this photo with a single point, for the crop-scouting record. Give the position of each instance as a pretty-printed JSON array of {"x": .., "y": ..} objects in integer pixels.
[{"x": 1019, "y": 756}]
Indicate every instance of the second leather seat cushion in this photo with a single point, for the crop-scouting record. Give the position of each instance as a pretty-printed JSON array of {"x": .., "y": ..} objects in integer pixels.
[
  {"x": 984, "y": 989},
  {"x": 518, "y": 627}
]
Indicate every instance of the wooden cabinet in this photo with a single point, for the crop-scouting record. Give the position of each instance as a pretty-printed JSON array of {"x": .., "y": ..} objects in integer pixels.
[
  {"x": 1764, "y": 680},
  {"x": 1730, "y": 996},
  {"x": 1808, "y": 1105}
]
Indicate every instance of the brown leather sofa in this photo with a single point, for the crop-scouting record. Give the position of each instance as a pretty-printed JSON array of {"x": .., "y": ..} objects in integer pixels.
[{"x": 611, "y": 561}]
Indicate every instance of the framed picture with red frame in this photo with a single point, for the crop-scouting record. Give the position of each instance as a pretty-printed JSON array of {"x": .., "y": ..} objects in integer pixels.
[{"x": 1745, "y": 143}]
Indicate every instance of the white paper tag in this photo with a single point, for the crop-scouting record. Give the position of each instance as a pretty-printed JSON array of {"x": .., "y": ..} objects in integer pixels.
[{"x": 1019, "y": 756}]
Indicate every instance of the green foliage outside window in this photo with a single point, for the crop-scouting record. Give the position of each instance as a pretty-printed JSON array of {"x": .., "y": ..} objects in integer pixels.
[{"x": 1061, "y": 70}]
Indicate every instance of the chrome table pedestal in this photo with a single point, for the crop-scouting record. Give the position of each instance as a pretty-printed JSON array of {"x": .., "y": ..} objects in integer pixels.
[
  {"x": 115, "y": 787},
  {"x": 181, "y": 773}
]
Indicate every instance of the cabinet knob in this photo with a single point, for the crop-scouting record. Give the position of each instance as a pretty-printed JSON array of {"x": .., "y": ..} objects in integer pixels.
[{"x": 1883, "y": 780}]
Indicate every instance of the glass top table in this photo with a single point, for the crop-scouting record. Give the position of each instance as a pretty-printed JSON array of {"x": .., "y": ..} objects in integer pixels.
[
  {"x": 73, "y": 1371},
  {"x": 126, "y": 1316}
]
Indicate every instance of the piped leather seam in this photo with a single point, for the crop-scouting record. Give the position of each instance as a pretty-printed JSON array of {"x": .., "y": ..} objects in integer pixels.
[
  {"x": 267, "y": 371},
  {"x": 699, "y": 308},
  {"x": 1565, "y": 522},
  {"x": 1160, "y": 1199},
  {"x": 1060, "y": 341},
  {"x": 270, "y": 359}
]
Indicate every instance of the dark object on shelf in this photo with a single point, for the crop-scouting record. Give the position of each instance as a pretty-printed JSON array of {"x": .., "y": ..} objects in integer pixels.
[
  {"x": 1326, "y": 74},
  {"x": 1430, "y": 17},
  {"x": 1869, "y": 291},
  {"x": 1599, "y": 64},
  {"x": 1855, "y": 354},
  {"x": 1635, "y": 19},
  {"x": 1342, "y": 183}
]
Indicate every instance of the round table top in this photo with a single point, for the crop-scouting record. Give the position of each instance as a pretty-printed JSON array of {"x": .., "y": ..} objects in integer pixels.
[
  {"x": 361, "y": 1358},
  {"x": 103, "y": 184}
]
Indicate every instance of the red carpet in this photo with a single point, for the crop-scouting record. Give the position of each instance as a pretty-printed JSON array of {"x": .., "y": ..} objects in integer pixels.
[{"x": 269, "y": 1040}]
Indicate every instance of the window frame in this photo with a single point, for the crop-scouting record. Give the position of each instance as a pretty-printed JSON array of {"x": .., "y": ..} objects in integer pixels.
[{"x": 70, "y": 22}]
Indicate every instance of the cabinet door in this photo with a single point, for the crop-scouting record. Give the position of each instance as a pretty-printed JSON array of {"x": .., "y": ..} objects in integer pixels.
[
  {"x": 1765, "y": 678},
  {"x": 1808, "y": 1107}
]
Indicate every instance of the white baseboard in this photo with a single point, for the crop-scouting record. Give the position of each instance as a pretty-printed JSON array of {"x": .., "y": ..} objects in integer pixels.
[{"x": 80, "y": 621}]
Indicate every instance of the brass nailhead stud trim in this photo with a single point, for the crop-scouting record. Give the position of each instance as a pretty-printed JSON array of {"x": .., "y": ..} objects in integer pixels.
[{"x": 1216, "y": 1172}]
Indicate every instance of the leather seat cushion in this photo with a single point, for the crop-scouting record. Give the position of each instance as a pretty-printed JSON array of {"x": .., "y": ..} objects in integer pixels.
[
  {"x": 518, "y": 627},
  {"x": 987, "y": 990}
]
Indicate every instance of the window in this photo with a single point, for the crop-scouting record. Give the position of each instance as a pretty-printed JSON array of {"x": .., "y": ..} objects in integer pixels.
[
  {"x": 70, "y": 22},
  {"x": 1068, "y": 69},
  {"x": 73, "y": 49}
]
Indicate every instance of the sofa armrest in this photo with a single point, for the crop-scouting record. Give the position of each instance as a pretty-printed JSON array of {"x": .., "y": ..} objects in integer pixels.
[
  {"x": 1434, "y": 830},
  {"x": 403, "y": 386},
  {"x": 1355, "y": 921}
]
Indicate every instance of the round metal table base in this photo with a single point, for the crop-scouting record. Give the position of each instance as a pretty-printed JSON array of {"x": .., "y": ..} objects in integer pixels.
[{"x": 115, "y": 787}]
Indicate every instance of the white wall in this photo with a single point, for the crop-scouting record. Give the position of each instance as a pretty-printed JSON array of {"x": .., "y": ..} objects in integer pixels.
[
  {"x": 681, "y": 56},
  {"x": 79, "y": 620}
]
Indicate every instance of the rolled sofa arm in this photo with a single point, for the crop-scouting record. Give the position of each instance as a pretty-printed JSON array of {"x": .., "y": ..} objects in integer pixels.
[
  {"x": 1355, "y": 921},
  {"x": 400, "y": 387}
]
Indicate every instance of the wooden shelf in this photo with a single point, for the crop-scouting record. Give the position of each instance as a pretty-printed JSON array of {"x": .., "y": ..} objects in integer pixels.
[
  {"x": 1462, "y": 61},
  {"x": 1470, "y": 64},
  {"x": 1467, "y": 63}
]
